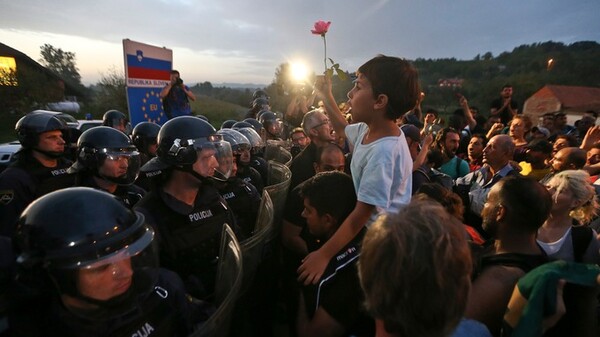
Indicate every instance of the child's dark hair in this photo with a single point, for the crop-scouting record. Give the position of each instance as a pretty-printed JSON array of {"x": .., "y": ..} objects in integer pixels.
[
  {"x": 331, "y": 193},
  {"x": 397, "y": 79}
]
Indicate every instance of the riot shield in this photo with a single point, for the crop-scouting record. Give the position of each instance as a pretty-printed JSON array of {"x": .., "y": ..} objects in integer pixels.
[
  {"x": 253, "y": 248},
  {"x": 278, "y": 150},
  {"x": 278, "y": 183},
  {"x": 227, "y": 288}
]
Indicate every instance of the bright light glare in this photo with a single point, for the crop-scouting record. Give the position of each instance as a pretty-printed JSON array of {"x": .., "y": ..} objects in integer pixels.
[{"x": 299, "y": 71}]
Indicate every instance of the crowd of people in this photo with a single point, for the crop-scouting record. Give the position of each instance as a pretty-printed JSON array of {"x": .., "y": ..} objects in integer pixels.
[{"x": 396, "y": 223}]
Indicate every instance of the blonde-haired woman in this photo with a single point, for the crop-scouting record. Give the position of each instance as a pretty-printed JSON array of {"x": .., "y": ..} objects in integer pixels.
[{"x": 565, "y": 234}]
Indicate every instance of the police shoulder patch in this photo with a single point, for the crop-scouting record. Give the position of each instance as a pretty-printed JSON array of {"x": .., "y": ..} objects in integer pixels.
[{"x": 6, "y": 196}]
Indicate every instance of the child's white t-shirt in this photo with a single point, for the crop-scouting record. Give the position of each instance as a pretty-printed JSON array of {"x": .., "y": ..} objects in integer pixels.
[{"x": 381, "y": 170}]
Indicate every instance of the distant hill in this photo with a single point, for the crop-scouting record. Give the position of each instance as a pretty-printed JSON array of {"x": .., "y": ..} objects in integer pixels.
[
  {"x": 240, "y": 85},
  {"x": 527, "y": 68}
]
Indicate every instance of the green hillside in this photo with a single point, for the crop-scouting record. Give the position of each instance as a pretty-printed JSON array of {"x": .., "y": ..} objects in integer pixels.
[{"x": 216, "y": 110}]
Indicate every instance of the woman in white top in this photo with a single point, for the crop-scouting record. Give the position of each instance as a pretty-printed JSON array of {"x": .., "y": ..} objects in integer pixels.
[{"x": 565, "y": 234}]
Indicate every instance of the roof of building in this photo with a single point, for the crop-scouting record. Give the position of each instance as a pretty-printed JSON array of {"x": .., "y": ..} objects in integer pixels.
[{"x": 572, "y": 97}]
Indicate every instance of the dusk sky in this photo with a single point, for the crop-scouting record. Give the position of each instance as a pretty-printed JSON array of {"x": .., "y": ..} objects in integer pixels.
[{"x": 244, "y": 41}]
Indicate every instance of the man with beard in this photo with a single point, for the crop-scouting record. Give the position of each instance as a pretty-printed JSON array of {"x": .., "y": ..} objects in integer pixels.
[
  {"x": 508, "y": 216},
  {"x": 317, "y": 127},
  {"x": 567, "y": 158},
  {"x": 42, "y": 138},
  {"x": 505, "y": 106},
  {"x": 592, "y": 163},
  {"x": 474, "y": 187},
  {"x": 448, "y": 141}
]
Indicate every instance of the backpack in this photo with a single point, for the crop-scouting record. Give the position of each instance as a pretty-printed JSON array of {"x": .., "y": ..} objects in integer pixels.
[
  {"x": 459, "y": 161},
  {"x": 581, "y": 237},
  {"x": 437, "y": 177}
]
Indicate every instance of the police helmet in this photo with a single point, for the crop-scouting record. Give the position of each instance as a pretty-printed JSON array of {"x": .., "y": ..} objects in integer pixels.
[
  {"x": 260, "y": 94},
  {"x": 144, "y": 134},
  {"x": 97, "y": 145},
  {"x": 202, "y": 117},
  {"x": 228, "y": 124},
  {"x": 264, "y": 116},
  {"x": 115, "y": 119},
  {"x": 78, "y": 229},
  {"x": 179, "y": 141},
  {"x": 255, "y": 123},
  {"x": 271, "y": 123},
  {"x": 259, "y": 103},
  {"x": 236, "y": 139},
  {"x": 252, "y": 136},
  {"x": 239, "y": 125},
  {"x": 29, "y": 127}
]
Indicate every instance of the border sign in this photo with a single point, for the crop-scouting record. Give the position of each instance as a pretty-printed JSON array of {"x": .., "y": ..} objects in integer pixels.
[{"x": 147, "y": 71}]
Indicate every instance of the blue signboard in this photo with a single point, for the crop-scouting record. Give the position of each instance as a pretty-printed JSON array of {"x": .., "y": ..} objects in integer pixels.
[
  {"x": 146, "y": 104},
  {"x": 147, "y": 72}
]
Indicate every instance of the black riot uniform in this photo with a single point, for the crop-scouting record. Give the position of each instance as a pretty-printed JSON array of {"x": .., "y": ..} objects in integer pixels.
[
  {"x": 243, "y": 198},
  {"x": 250, "y": 176},
  {"x": 60, "y": 236},
  {"x": 26, "y": 178},
  {"x": 247, "y": 171},
  {"x": 143, "y": 137},
  {"x": 188, "y": 235},
  {"x": 95, "y": 147},
  {"x": 129, "y": 195}
]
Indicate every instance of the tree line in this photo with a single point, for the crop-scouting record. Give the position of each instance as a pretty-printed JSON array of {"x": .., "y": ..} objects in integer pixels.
[{"x": 527, "y": 68}]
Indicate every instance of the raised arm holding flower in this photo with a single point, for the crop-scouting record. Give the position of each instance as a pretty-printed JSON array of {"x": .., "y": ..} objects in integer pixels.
[{"x": 321, "y": 28}]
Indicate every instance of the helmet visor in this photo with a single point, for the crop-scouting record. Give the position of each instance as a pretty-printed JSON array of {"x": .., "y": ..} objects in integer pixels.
[
  {"x": 114, "y": 282},
  {"x": 215, "y": 158},
  {"x": 120, "y": 166},
  {"x": 139, "y": 248}
]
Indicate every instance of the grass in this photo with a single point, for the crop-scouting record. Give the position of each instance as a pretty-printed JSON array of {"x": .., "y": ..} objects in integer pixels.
[{"x": 217, "y": 111}]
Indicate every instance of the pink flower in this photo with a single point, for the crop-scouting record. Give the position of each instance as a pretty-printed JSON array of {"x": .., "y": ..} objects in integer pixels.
[{"x": 321, "y": 28}]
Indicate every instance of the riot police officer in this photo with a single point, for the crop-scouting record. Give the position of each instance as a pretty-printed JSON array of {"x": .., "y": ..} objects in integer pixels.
[
  {"x": 116, "y": 120},
  {"x": 242, "y": 197},
  {"x": 260, "y": 94},
  {"x": 258, "y": 104},
  {"x": 92, "y": 271},
  {"x": 252, "y": 168},
  {"x": 107, "y": 160},
  {"x": 144, "y": 138},
  {"x": 186, "y": 209},
  {"x": 40, "y": 158}
]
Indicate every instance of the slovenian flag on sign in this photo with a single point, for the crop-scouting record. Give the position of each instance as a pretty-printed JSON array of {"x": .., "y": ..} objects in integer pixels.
[{"x": 147, "y": 71}]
